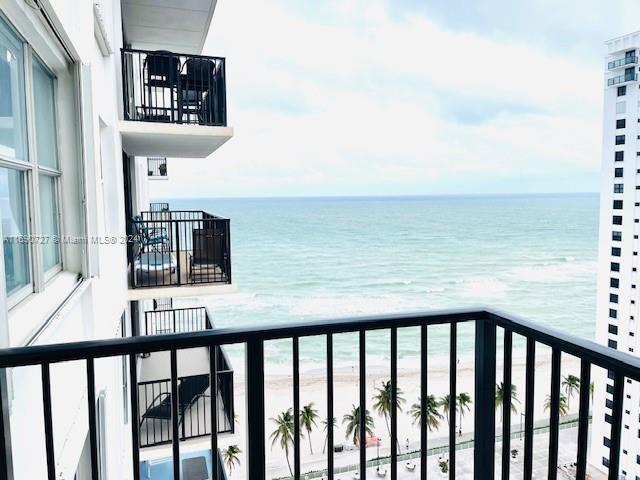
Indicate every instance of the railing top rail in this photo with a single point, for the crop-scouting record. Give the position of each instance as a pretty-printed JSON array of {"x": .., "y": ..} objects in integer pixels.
[
  {"x": 582, "y": 348},
  {"x": 170, "y": 54},
  {"x": 174, "y": 309},
  {"x": 203, "y": 212}
]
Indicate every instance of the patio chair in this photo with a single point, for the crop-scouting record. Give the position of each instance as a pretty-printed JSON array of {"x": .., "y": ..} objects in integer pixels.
[
  {"x": 207, "y": 259},
  {"x": 197, "y": 77},
  {"x": 190, "y": 389},
  {"x": 148, "y": 237},
  {"x": 162, "y": 72}
]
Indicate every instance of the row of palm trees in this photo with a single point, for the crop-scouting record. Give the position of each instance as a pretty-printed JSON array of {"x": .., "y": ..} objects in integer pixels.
[{"x": 437, "y": 409}]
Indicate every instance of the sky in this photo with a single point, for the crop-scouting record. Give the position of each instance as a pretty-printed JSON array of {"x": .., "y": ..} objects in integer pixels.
[{"x": 419, "y": 97}]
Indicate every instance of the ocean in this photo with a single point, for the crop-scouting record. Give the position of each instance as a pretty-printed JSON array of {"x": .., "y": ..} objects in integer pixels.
[{"x": 307, "y": 258}]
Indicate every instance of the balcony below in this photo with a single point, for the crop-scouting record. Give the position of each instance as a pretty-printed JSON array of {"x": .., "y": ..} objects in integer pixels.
[
  {"x": 174, "y": 104},
  {"x": 178, "y": 248},
  {"x": 622, "y": 79}
]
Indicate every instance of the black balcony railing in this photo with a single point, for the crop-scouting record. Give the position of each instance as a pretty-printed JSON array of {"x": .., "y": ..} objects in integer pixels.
[
  {"x": 176, "y": 320},
  {"x": 157, "y": 167},
  {"x": 487, "y": 323},
  {"x": 194, "y": 406},
  {"x": 621, "y": 62},
  {"x": 179, "y": 247},
  {"x": 627, "y": 77},
  {"x": 168, "y": 87},
  {"x": 158, "y": 207}
]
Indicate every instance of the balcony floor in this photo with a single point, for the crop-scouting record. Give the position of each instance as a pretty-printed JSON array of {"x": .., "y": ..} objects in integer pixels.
[{"x": 162, "y": 469}]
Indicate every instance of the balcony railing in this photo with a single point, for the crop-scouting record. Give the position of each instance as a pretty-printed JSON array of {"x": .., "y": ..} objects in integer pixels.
[
  {"x": 168, "y": 87},
  {"x": 621, "y": 62},
  {"x": 627, "y": 77},
  {"x": 157, "y": 167},
  {"x": 488, "y": 325},
  {"x": 158, "y": 207},
  {"x": 179, "y": 247},
  {"x": 176, "y": 320}
]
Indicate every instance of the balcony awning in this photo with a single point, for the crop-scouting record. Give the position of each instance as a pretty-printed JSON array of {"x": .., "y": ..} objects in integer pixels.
[{"x": 174, "y": 25}]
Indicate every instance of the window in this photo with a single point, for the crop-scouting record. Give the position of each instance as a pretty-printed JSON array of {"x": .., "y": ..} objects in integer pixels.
[
  {"x": 612, "y": 344},
  {"x": 614, "y": 282},
  {"x": 621, "y": 107},
  {"x": 615, "y": 267},
  {"x": 618, "y": 188},
  {"x": 618, "y": 172},
  {"x": 29, "y": 178},
  {"x": 616, "y": 251},
  {"x": 613, "y": 329},
  {"x": 617, "y": 204},
  {"x": 621, "y": 123},
  {"x": 613, "y": 313},
  {"x": 610, "y": 389},
  {"x": 616, "y": 236},
  {"x": 613, "y": 298},
  {"x": 617, "y": 219},
  {"x": 622, "y": 91},
  {"x": 619, "y": 156},
  {"x": 606, "y": 442},
  {"x": 619, "y": 139}
]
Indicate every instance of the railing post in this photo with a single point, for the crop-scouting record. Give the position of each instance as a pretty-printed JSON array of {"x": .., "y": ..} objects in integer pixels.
[
  {"x": 6, "y": 459},
  {"x": 255, "y": 410},
  {"x": 485, "y": 381}
]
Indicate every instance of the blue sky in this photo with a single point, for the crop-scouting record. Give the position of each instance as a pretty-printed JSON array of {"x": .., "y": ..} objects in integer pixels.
[{"x": 365, "y": 97}]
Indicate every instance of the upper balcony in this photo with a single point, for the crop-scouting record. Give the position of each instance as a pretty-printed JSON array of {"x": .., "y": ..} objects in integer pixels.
[
  {"x": 622, "y": 62},
  {"x": 173, "y": 248},
  {"x": 480, "y": 454},
  {"x": 174, "y": 104}
]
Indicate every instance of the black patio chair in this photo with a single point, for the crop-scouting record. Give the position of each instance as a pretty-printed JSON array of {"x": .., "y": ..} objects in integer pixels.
[{"x": 207, "y": 257}]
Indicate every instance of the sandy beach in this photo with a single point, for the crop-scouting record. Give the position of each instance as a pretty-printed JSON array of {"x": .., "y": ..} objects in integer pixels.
[{"x": 279, "y": 397}]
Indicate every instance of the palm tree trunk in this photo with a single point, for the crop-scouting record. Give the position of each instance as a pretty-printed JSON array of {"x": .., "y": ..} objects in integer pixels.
[
  {"x": 326, "y": 439},
  {"x": 310, "y": 446},
  {"x": 286, "y": 454}
]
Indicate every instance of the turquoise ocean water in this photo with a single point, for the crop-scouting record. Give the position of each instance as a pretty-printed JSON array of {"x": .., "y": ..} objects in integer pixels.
[{"x": 307, "y": 258}]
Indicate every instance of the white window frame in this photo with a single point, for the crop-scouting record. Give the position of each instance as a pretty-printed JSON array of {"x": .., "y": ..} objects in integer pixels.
[{"x": 32, "y": 171}]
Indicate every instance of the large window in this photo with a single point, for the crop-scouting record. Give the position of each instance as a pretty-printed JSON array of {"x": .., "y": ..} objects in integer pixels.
[{"x": 29, "y": 177}]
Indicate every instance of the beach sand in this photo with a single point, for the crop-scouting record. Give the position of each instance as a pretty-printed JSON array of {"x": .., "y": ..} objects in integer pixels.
[{"x": 279, "y": 397}]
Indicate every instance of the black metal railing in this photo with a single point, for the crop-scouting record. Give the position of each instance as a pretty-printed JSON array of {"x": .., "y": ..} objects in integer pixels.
[
  {"x": 487, "y": 324},
  {"x": 627, "y": 77},
  {"x": 157, "y": 167},
  {"x": 194, "y": 406},
  {"x": 160, "y": 86},
  {"x": 158, "y": 207},
  {"x": 621, "y": 62},
  {"x": 179, "y": 247},
  {"x": 163, "y": 303},
  {"x": 176, "y": 320}
]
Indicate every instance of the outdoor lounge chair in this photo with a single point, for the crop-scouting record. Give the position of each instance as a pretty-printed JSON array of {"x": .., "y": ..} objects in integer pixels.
[
  {"x": 195, "y": 468},
  {"x": 190, "y": 389},
  {"x": 162, "y": 74},
  {"x": 207, "y": 259}
]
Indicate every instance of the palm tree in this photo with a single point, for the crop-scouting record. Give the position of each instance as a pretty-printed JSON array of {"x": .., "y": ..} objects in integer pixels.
[
  {"x": 444, "y": 404},
  {"x": 433, "y": 415},
  {"x": 283, "y": 433},
  {"x": 563, "y": 405},
  {"x": 500, "y": 399},
  {"x": 325, "y": 422},
  {"x": 308, "y": 416},
  {"x": 463, "y": 400},
  {"x": 382, "y": 401},
  {"x": 353, "y": 424},
  {"x": 571, "y": 385},
  {"x": 231, "y": 456}
]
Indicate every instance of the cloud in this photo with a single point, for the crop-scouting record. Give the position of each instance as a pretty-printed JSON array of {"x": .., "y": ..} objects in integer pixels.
[{"x": 351, "y": 97}]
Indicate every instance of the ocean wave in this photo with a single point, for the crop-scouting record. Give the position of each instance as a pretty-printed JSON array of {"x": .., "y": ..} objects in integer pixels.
[{"x": 554, "y": 272}]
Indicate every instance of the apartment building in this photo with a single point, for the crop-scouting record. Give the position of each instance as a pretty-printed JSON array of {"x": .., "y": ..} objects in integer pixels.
[
  {"x": 618, "y": 278},
  {"x": 94, "y": 95}
]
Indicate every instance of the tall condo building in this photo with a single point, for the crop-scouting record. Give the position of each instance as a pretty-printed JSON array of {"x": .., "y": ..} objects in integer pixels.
[
  {"x": 94, "y": 96},
  {"x": 618, "y": 277}
]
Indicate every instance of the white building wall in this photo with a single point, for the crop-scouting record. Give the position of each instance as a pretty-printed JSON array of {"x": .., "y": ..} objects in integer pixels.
[{"x": 625, "y": 309}]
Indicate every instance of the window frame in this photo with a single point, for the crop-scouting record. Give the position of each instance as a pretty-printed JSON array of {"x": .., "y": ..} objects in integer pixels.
[{"x": 32, "y": 170}]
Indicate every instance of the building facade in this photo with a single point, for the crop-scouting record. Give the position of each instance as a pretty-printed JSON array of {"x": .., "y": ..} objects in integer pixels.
[
  {"x": 618, "y": 278},
  {"x": 94, "y": 95}
]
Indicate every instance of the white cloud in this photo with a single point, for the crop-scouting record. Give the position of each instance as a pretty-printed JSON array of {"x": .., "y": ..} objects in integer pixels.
[{"x": 359, "y": 101}]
